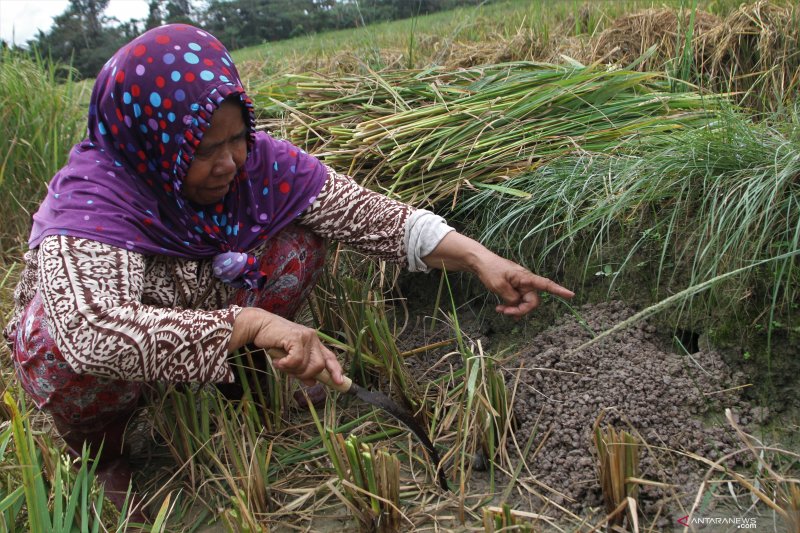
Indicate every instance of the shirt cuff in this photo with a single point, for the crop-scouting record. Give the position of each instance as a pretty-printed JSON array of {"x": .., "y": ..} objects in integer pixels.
[{"x": 423, "y": 233}]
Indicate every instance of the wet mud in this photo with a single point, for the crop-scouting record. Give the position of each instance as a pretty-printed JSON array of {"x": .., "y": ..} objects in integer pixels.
[{"x": 673, "y": 402}]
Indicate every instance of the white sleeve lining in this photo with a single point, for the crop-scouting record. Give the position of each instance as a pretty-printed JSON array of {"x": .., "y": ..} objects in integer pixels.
[{"x": 423, "y": 233}]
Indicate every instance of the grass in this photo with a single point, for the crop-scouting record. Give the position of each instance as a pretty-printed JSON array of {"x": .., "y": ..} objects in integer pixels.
[
  {"x": 433, "y": 39},
  {"x": 67, "y": 497},
  {"x": 40, "y": 120},
  {"x": 691, "y": 206}
]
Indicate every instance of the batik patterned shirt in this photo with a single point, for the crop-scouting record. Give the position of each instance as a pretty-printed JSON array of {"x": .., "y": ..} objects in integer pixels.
[{"x": 170, "y": 316}]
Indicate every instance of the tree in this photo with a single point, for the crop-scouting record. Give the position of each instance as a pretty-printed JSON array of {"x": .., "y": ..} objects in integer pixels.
[
  {"x": 81, "y": 36},
  {"x": 179, "y": 11},
  {"x": 154, "y": 15}
]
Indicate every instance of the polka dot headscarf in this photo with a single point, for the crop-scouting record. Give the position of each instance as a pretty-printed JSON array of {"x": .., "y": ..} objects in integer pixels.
[{"x": 150, "y": 106}]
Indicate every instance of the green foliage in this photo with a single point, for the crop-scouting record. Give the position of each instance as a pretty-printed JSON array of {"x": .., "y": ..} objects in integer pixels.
[
  {"x": 83, "y": 37},
  {"x": 695, "y": 204},
  {"x": 370, "y": 480},
  {"x": 40, "y": 120},
  {"x": 53, "y": 495}
]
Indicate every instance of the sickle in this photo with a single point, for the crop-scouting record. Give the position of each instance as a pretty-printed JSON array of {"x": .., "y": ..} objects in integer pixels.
[{"x": 381, "y": 401}]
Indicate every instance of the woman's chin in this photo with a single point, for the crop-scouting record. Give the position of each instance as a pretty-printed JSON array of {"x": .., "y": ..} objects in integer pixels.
[{"x": 209, "y": 196}]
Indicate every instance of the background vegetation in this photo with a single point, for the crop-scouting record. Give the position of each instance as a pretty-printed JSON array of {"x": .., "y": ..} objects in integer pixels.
[
  {"x": 656, "y": 153},
  {"x": 85, "y": 37}
]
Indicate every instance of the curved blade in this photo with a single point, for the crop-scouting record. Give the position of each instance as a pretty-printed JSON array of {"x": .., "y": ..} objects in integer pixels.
[{"x": 405, "y": 417}]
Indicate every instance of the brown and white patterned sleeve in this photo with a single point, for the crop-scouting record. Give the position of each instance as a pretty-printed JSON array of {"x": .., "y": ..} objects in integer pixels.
[
  {"x": 92, "y": 298},
  {"x": 368, "y": 221},
  {"x": 24, "y": 293},
  {"x": 372, "y": 223}
]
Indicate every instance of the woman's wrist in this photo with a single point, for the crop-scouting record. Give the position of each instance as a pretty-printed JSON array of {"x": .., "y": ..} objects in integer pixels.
[
  {"x": 457, "y": 252},
  {"x": 247, "y": 324}
]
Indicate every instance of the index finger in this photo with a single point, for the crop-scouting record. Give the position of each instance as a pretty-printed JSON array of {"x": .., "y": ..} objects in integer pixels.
[
  {"x": 539, "y": 283},
  {"x": 333, "y": 366}
]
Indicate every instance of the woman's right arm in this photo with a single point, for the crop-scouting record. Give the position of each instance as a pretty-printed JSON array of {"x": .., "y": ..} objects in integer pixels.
[
  {"x": 92, "y": 296},
  {"x": 305, "y": 355}
]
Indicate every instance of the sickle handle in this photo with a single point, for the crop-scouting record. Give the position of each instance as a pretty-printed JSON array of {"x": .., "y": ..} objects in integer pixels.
[{"x": 323, "y": 377}]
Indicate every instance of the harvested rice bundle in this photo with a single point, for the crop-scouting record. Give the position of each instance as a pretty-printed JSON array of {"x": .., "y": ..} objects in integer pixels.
[
  {"x": 756, "y": 52},
  {"x": 632, "y": 35},
  {"x": 422, "y": 135}
]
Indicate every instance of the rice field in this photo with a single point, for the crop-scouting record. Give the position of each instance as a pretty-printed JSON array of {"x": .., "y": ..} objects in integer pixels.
[{"x": 645, "y": 154}]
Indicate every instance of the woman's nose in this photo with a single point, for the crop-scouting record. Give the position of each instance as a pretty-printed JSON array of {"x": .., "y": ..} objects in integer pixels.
[{"x": 225, "y": 163}]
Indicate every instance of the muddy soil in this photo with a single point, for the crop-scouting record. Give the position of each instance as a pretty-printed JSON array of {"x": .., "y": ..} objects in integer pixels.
[{"x": 673, "y": 403}]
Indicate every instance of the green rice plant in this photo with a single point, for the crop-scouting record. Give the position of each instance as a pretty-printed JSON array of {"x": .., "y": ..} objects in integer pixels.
[
  {"x": 694, "y": 204},
  {"x": 505, "y": 518},
  {"x": 370, "y": 480},
  {"x": 683, "y": 65},
  {"x": 222, "y": 440},
  {"x": 618, "y": 467},
  {"x": 472, "y": 412},
  {"x": 51, "y": 493},
  {"x": 234, "y": 452},
  {"x": 424, "y": 136},
  {"x": 40, "y": 119},
  {"x": 482, "y": 408},
  {"x": 351, "y": 312}
]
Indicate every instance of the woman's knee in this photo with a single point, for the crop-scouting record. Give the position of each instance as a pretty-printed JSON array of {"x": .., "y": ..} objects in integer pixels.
[
  {"x": 52, "y": 384},
  {"x": 292, "y": 261}
]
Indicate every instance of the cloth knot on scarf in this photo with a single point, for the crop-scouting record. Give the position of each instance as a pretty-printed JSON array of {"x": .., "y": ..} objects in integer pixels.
[{"x": 239, "y": 270}]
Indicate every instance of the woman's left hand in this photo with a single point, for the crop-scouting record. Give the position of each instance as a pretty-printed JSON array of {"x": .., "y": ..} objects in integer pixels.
[{"x": 518, "y": 287}]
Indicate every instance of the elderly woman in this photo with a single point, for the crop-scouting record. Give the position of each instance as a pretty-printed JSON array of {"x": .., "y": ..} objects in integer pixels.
[{"x": 177, "y": 234}]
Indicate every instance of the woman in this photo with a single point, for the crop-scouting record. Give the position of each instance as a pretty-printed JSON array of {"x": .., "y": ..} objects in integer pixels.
[{"x": 176, "y": 234}]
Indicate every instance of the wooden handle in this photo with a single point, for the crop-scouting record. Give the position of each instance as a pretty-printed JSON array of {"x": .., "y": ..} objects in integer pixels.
[{"x": 323, "y": 377}]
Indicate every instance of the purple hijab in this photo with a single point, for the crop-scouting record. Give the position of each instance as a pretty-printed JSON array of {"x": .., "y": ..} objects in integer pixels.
[{"x": 150, "y": 106}]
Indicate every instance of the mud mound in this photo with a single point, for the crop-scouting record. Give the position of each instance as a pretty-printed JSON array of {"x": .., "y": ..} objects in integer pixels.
[{"x": 667, "y": 399}]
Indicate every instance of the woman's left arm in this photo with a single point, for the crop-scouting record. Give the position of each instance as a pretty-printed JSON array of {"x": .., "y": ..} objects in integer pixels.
[{"x": 518, "y": 287}]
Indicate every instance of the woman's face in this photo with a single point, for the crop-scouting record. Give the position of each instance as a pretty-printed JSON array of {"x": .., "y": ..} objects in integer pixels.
[{"x": 218, "y": 157}]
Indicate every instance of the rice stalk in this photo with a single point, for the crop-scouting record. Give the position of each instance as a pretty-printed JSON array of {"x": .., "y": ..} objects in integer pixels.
[
  {"x": 436, "y": 132},
  {"x": 473, "y": 411},
  {"x": 752, "y": 53},
  {"x": 696, "y": 204},
  {"x": 370, "y": 479},
  {"x": 790, "y": 499},
  {"x": 57, "y": 495},
  {"x": 352, "y": 311},
  {"x": 505, "y": 518},
  {"x": 618, "y": 464}
]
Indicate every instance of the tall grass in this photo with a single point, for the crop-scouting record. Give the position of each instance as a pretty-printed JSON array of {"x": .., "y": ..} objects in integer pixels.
[
  {"x": 40, "y": 119},
  {"x": 692, "y": 205},
  {"x": 42, "y": 490}
]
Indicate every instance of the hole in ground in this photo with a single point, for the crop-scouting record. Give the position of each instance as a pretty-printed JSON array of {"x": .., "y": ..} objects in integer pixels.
[{"x": 690, "y": 340}]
